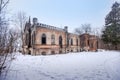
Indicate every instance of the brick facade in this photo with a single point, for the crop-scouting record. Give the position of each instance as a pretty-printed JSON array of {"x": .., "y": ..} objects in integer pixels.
[
  {"x": 45, "y": 39},
  {"x": 88, "y": 42}
]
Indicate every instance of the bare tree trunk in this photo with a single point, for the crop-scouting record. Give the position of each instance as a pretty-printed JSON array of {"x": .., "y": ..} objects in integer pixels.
[
  {"x": 19, "y": 21},
  {"x": 7, "y": 37}
]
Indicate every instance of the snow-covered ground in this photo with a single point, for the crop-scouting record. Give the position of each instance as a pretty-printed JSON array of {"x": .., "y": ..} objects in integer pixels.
[{"x": 73, "y": 66}]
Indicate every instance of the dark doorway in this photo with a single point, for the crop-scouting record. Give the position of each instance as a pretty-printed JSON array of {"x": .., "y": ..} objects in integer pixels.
[
  {"x": 52, "y": 52},
  {"x": 60, "y": 52},
  {"x": 29, "y": 52},
  {"x": 43, "y": 53},
  {"x": 88, "y": 43}
]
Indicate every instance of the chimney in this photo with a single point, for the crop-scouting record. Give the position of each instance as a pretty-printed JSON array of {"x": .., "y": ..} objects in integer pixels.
[
  {"x": 66, "y": 28},
  {"x": 35, "y": 21}
]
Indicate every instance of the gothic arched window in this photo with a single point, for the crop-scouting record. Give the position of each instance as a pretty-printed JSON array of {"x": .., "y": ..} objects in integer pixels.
[
  {"x": 60, "y": 41},
  {"x": 43, "y": 39},
  {"x": 32, "y": 39},
  {"x": 77, "y": 42},
  {"x": 26, "y": 36},
  {"x": 67, "y": 42},
  {"x": 52, "y": 39},
  {"x": 71, "y": 41}
]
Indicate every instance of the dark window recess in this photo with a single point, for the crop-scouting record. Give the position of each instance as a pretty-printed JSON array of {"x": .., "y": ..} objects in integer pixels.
[
  {"x": 52, "y": 52},
  {"x": 88, "y": 42},
  {"x": 43, "y": 39},
  {"x": 77, "y": 42},
  {"x": 43, "y": 53},
  {"x": 71, "y": 41},
  {"x": 67, "y": 42},
  {"x": 60, "y": 52},
  {"x": 60, "y": 41}
]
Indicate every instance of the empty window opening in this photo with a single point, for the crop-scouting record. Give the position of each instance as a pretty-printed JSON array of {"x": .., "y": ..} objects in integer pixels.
[
  {"x": 43, "y": 39},
  {"x": 60, "y": 41}
]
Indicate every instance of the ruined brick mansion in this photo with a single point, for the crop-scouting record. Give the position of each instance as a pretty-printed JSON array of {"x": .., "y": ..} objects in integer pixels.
[{"x": 42, "y": 39}]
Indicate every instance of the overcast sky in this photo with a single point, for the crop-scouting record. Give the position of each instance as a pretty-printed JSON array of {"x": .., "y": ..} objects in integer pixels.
[{"x": 60, "y": 13}]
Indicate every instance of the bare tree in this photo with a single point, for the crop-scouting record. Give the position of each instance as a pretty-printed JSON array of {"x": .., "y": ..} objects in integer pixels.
[
  {"x": 7, "y": 37},
  {"x": 3, "y": 33},
  {"x": 19, "y": 22},
  {"x": 78, "y": 30},
  {"x": 84, "y": 28}
]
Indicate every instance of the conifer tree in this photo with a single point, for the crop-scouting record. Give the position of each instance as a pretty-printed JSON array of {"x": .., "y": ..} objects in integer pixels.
[{"x": 111, "y": 33}]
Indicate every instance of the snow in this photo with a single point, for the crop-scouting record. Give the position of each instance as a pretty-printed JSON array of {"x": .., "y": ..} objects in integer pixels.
[{"x": 103, "y": 65}]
